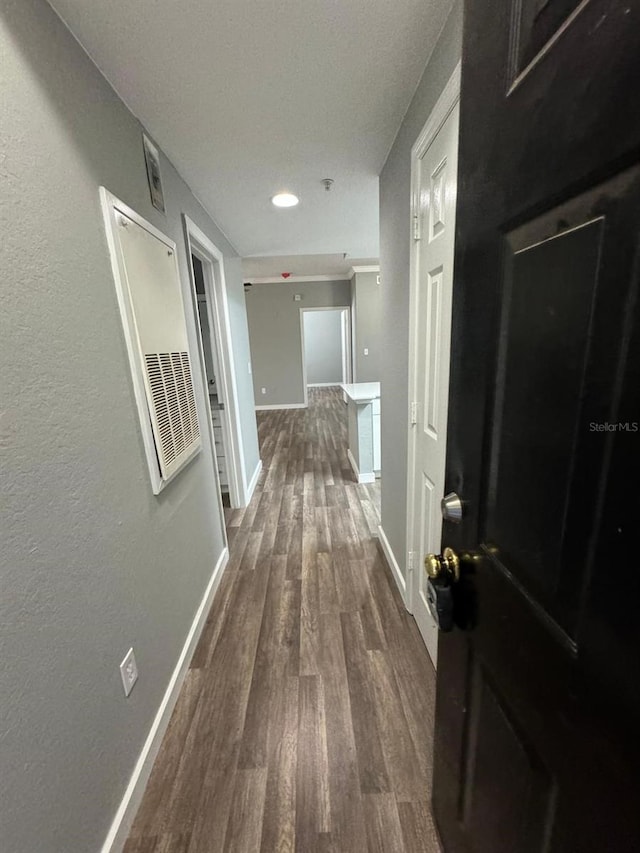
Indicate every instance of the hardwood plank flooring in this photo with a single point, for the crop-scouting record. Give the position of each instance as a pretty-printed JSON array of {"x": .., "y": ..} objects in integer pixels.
[{"x": 305, "y": 722}]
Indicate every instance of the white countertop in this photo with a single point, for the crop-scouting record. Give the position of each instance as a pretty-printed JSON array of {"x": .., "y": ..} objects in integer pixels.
[{"x": 362, "y": 392}]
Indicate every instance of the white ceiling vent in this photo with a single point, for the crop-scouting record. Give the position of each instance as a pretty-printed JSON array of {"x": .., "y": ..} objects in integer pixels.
[{"x": 149, "y": 294}]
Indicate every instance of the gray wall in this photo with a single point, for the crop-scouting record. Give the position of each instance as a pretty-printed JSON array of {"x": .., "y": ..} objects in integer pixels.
[
  {"x": 275, "y": 335},
  {"x": 367, "y": 326},
  {"x": 395, "y": 247},
  {"x": 91, "y": 562},
  {"x": 323, "y": 346}
]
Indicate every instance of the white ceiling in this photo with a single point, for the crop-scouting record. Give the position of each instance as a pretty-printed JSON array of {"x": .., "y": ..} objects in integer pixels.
[{"x": 249, "y": 97}]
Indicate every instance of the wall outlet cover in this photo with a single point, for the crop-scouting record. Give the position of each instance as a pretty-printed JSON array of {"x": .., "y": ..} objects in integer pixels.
[
  {"x": 129, "y": 672},
  {"x": 263, "y": 390},
  {"x": 366, "y": 350},
  {"x": 297, "y": 297}
]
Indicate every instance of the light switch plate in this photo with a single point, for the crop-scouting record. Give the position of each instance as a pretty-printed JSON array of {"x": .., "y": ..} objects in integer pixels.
[{"x": 129, "y": 672}]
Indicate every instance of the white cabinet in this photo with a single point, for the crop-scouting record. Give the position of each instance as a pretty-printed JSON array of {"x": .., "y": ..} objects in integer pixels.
[{"x": 363, "y": 400}]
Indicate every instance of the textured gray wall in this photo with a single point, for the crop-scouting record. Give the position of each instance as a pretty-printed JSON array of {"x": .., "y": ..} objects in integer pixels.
[
  {"x": 395, "y": 248},
  {"x": 323, "y": 346},
  {"x": 91, "y": 562},
  {"x": 367, "y": 326},
  {"x": 275, "y": 336}
]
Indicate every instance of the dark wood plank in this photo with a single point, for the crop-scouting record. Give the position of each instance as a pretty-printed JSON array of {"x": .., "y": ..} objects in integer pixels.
[
  {"x": 279, "y": 822},
  {"x": 384, "y": 833},
  {"x": 312, "y": 774},
  {"x": 347, "y": 819},
  {"x": 371, "y": 761},
  {"x": 244, "y": 829},
  {"x": 418, "y": 829},
  {"x": 407, "y": 781}
]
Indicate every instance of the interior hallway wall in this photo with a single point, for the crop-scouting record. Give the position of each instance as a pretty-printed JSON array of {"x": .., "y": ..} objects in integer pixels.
[
  {"x": 323, "y": 346},
  {"x": 275, "y": 335},
  {"x": 367, "y": 326},
  {"x": 395, "y": 249},
  {"x": 92, "y": 562}
]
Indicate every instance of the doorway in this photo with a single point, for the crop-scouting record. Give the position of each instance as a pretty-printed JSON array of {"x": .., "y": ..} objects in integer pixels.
[
  {"x": 212, "y": 316},
  {"x": 212, "y": 369},
  {"x": 326, "y": 346},
  {"x": 434, "y": 178}
]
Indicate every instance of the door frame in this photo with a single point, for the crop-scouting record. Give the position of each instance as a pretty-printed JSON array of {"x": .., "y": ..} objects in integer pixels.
[
  {"x": 345, "y": 343},
  {"x": 215, "y": 287},
  {"x": 449, "y": 97}
]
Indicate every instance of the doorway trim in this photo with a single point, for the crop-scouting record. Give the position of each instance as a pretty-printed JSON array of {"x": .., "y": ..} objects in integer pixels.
[
  {"x": 447, "y": 101},
  {"x": 345, "y": 340},
  {"x": 215, "y": 287}
]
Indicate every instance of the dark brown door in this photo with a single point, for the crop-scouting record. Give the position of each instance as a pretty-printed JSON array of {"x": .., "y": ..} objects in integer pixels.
[{"x": 538, "y": 693}]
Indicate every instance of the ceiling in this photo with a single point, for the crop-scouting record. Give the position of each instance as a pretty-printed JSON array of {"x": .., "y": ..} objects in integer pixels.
[{"x": 250, "y": 97}]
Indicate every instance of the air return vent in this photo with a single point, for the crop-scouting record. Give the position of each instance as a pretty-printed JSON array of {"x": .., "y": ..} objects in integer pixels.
[
  {"x": 174, "y": 408},
  {"x": 149, "y": 293}
]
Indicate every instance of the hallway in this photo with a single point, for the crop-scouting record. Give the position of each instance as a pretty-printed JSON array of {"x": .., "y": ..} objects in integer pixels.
[{"x": 305, "y": 720}]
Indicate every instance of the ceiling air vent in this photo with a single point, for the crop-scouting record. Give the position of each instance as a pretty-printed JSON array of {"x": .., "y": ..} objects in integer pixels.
[{"x": 149, "y": 293}]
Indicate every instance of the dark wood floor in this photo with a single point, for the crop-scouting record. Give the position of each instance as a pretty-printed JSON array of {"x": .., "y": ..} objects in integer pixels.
[{"x": 305, "y": 720}]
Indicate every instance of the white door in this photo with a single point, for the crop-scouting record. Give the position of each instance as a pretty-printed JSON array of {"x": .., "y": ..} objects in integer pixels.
[{"x": 435, "y": 175}]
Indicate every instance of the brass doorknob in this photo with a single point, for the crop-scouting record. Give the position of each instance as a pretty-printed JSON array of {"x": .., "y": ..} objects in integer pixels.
[{"x": 448, "y": 563}]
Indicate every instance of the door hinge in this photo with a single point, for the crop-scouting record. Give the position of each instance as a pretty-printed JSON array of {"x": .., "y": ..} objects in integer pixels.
[
  {"x": 411, "y": 561},
  {"x": 416, "y": 226},
  {"x": 413, "y": 414}
]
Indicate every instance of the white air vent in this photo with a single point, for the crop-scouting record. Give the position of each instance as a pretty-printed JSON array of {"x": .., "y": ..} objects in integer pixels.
[
  {"x": 174, "y": 407},
  {"x": 148, "y": 286}
]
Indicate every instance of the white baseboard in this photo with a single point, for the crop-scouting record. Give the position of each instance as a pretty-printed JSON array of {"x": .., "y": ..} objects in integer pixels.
[
  {"x": 361, "y": 478},
  {"x": 254, "y": 482},
  {"x": 132, "y": 798},
  {"x": 281, "y": 406},
  {"x": 393, "y": 564}
]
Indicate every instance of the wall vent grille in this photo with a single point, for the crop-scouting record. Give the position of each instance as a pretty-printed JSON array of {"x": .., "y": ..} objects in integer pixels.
[
  {"x": 147, "y": 280},
  {"x": 174, "y": 416}
]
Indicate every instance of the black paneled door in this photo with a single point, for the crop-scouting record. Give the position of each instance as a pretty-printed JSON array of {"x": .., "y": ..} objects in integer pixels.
[{"x": 538, "y": 706}]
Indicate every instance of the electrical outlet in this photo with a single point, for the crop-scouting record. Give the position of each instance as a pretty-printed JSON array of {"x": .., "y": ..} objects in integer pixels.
[
  {"x": 297, "y": 297},
  {"x": 263, "y": 390},
  {"x": 129, "y": 672},
  {"x": 366, "y": 350}
]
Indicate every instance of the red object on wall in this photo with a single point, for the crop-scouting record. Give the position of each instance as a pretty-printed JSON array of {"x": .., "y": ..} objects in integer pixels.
[{"x": 285, "y": 274}]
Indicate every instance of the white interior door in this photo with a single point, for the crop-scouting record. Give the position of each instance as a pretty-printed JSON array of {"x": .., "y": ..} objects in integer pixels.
[{"x": 435, "y": 176}]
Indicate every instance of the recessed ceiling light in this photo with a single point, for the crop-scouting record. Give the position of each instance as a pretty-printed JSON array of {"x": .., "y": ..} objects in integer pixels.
[{"x": 285, "y": 200}]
